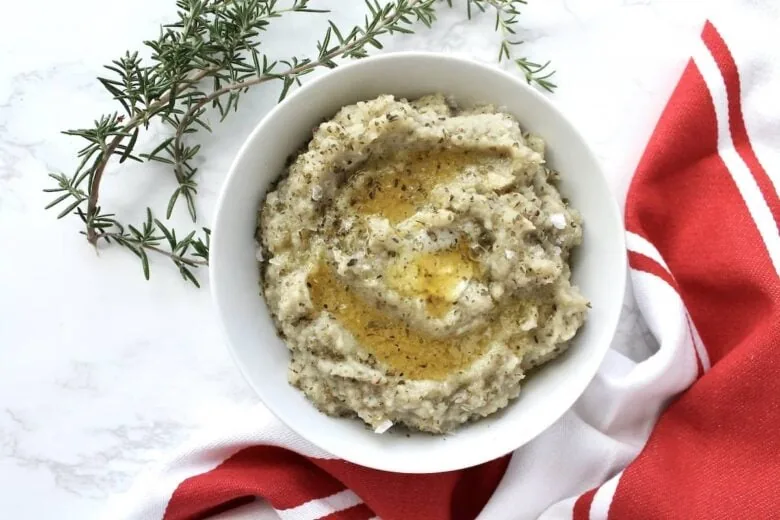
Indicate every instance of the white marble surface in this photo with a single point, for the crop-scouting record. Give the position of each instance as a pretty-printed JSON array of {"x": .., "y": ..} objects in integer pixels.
[{"x": 102, "y": 373}]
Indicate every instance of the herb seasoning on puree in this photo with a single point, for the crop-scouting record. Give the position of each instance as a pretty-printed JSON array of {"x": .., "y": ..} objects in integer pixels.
[{"x": 415, "y": 263}]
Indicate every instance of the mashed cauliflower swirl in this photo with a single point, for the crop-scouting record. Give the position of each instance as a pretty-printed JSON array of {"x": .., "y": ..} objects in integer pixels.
[{"x": 415, "y": 259}]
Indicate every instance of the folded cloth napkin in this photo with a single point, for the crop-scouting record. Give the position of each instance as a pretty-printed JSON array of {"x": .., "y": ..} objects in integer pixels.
[{"x": 690, "y": 432}]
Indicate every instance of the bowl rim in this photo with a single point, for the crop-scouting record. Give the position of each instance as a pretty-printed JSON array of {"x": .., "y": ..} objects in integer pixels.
[{"x": 609, "y": 325}]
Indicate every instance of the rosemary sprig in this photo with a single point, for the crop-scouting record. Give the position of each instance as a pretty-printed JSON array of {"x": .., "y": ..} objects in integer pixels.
[
  {"x": 507, "y": 13},
  {"x": 206, "y": 60}
]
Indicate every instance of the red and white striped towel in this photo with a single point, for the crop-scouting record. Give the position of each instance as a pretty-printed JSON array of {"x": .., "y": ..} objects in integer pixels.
[{"x": 691, "y": 432}]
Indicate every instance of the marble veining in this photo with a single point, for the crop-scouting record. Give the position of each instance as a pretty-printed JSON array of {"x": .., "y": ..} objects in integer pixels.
[{"x": 102, "y": 373}]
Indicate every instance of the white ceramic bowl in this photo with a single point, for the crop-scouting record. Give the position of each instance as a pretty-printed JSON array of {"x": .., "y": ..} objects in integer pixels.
[{"x": 599, "y": 267}]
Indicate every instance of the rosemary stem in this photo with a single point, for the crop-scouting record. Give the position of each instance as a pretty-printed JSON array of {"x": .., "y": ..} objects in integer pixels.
[{"x": 178, "y": 258}]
